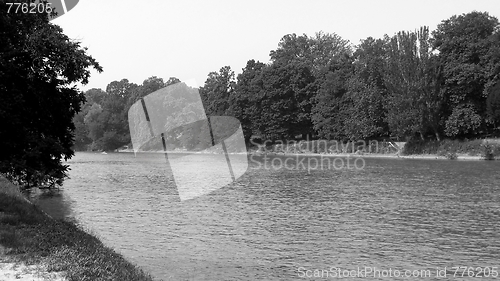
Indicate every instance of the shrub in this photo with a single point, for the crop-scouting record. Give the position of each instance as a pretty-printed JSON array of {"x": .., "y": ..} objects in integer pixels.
[{"x": 488, "y": 152}]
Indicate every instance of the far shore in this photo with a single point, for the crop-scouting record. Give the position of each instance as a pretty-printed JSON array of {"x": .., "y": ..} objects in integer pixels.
[
  {"x": 360, "y": 155},
  {"x": 377, "y": 155}
]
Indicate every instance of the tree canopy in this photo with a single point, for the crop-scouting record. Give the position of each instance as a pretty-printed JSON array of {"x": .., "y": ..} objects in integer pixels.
[
  {"x": 413, "y": 84},
  {"x": 39, "y": 66}
]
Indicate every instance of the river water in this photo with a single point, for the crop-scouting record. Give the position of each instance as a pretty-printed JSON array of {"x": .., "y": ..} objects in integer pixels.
[{"x": 282, "y": 223}]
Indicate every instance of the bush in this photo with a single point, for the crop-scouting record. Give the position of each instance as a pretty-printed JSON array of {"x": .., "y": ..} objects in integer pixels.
[
  {"x": 451, "y": 156},
  {"x": 416, "y": 146},
  {"x": 488, "y": 152}
]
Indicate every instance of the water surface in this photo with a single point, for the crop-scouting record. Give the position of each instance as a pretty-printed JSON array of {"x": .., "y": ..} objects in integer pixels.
[{"x": 393, "y": 214}]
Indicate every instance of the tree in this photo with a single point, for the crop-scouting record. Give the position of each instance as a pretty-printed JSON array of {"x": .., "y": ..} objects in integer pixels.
[
  {"x": 465, "y": 44},
  {"x": 81, "y": 133},
  {"x": 493, "y": 105},
  {"x": 464, "y": 120},
  {"x": 244, "y": 102},
  {"x": 365, "y": 116},
  {"x": 316, "y": 52},
  {"x": 412, "y": 79},
  {"x": 363, "y": 110},
  {"x": 94, "y": 124},
  {"x": 319, "y": 60},
  {"x": 328, "y": 103},
  {"x": 369, "y": 60},
  {"x": 172, "y": 81},
  {"x": 216, "y": 91},
  {"x": 152, "y": 84},
  {"x": 38, "y": 66},
  {"x": 107, "y": 121},
  {"x": 286, "y": 101}
]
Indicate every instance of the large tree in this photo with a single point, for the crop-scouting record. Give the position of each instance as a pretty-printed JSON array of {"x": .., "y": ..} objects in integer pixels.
[
  {"x": 364, "y": 112},
  {"x": 412, "y": 78},
  {"x": 39, "y": 65},
  {"x": 328, "y": 104},
  {"x": 320, "y": 66},
  {"x": 466, "y": 44},
  {"x": 286, "y": 101},
  {"x": 245, "y": 101},
  {"x": 216, "y": 91}
]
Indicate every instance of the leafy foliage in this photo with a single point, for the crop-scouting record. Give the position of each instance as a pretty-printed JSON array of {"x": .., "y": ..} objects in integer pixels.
[
  {"x": 493, "y": 104},
  {"x": 38, "y": 66},
  {"x": 467, "y": 45},
  {"x": 414, "y": 83}
]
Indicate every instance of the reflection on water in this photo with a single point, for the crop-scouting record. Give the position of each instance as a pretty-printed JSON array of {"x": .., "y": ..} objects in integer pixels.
[
  {"x": 394, "y": 214},
  {"x": 53, "y": 202}
]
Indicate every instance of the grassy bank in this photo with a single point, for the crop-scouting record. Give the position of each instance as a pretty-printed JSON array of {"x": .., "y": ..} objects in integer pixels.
[
  {"x": 29, "y": 236},
  {"x": 327, "y": 147},
  {"x": 480, "y": 149},
  {"x": 488, "y": 149}
]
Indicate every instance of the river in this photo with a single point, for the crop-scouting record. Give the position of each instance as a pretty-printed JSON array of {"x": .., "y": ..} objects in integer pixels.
[{"x": 405, "y": 216}]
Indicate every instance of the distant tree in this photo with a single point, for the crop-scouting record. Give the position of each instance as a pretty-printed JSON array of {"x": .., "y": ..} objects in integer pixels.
[
  {"x": 465, "y": 43},
  {"x": 94, "y": 124},
  {"x": 216, "y": 91},
  {"x": 81, "y": 133},
  {"x": 113, "y": 118},
  {"x": 365, "y": 115},
  {"x": 363, "y": 110},
  {"x": 151, "y": 85},
  {"x": 464, "y": 120},
  {"x": 39, "y": 65},
  {"x": 493, "y": 105},
  {"x": 317, "y": 52},
  {"x": 245, "y": 101},
  {"x": 318, "y": 101},
  {"x": 286, "y": 101},
  {"x": 412, "y": 79},
  {"x": 292, "y": 48},
  {"x": 492, "y": 86},
  {"x": 94, "y": 95},
  {"x": 327, "y": 113},
  {"x": 172, "y": 80},
  {"x": 369, "y": 60}
]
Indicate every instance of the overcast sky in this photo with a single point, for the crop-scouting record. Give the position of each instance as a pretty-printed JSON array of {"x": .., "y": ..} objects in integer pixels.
[{"x": 189, "y": 39}]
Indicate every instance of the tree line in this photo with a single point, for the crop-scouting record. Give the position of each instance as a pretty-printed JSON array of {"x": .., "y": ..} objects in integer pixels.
[{"x": 415, "y": 84}]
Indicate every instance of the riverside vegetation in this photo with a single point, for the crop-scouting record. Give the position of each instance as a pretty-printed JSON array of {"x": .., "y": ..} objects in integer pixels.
[
  {"x": 414, "y": 85},
  {"x": 438, "y": 89},
  {"x": 486, "y": 149},
  {"x": 409, "y": 86}
]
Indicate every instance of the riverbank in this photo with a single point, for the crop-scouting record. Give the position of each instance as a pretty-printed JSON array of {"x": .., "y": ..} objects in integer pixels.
[
  {"x": 379, "y": 155},
  {"x": 444, "y": 156},
  {"x": 475, "y": 149},
  {"x": 478, "y": 149},
  {"x": 34, "y": 246}
]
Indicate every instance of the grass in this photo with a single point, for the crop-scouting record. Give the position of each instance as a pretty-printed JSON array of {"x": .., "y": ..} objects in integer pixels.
[
  {"x": 32, "y": 237},
  {"x": 329, "y": 147},
  {"x": 486, "y": 149}
]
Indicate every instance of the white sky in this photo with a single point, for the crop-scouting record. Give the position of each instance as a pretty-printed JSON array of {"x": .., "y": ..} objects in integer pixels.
[{"x": 189, "y": 39}]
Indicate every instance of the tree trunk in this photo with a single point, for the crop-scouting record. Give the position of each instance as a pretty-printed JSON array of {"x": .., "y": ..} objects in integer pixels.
[{"x": 438, "y": 137}]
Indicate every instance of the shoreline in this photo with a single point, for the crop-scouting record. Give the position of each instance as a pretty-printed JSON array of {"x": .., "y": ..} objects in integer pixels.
[
  {"x": 379, "y": 155},
  {"x": 463, "y": 157},
  {"x": 35, "y": 246}
]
